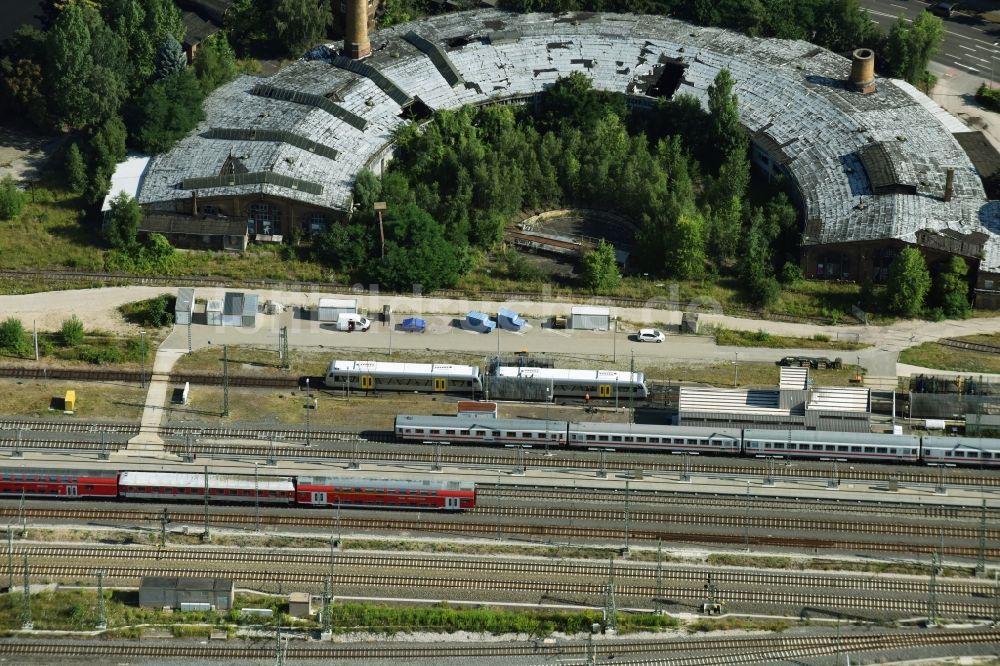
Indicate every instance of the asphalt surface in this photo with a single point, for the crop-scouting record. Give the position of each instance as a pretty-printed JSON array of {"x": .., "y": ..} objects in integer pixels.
[{"x": 969, "y": 43}]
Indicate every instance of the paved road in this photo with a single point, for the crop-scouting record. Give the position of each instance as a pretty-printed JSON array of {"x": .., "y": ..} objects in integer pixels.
[{"x": 968, "y": 43}]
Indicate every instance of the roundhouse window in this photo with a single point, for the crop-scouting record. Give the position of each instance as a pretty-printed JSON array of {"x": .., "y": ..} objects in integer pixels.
[{"x": 263, "y": 218}]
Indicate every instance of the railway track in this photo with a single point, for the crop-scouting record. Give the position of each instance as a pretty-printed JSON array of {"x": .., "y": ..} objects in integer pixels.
[
  {"x": 493, "y": 530},
  {"x": 135, "y": 377},
  {"x": 624, "y": 571},
  {"x": 970, "y": 346},
  {"x": 690, "y": 652},
  {"x": 545, "y": 588}
]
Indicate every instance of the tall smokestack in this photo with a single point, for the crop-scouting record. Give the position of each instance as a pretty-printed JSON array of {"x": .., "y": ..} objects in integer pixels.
[
  {"x": 863, "y": 71},
  {"x": 356, "y": 39},
  {"x": 949, "y": 184}
]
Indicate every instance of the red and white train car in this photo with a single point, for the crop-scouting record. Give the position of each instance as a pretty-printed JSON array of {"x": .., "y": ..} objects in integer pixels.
[
  {"x": 58, "y": 483},
  {"x": 385, "y": 493},
  {"x": 221, "y": 487}
]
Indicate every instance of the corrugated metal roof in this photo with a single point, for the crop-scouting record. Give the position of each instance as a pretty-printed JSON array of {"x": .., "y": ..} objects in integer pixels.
[
  {"x": 839, "y": 399},
  {"x": 731, "y": 401},
  {"x": 590, "y": 311},
  {"x": 348, "y": 303},
  {"x": 793, "y": 379}
]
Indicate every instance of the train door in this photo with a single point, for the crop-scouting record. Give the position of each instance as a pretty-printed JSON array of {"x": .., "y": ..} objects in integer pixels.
[
  {"x": 451, "y": 503},
  {"x": 604, "y": 390},
  {"x": 318, "y": 498},
  {"x": 71, "y": 491},
  {"x": 367, "y": 383},
  {"x": 440, "y": 384}
]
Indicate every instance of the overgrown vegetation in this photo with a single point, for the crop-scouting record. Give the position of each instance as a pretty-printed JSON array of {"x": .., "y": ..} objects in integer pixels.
[
  {"x": 150, "y": 313},
  {"x": 941, "y": 357},
  {"x": 989, "y": 97},
  {"x": 734, "y": 338}
]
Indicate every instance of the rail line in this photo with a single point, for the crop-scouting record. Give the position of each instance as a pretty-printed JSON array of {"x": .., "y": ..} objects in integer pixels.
[
  {"x": 746, "y": 648},
  {"x": 857, "y": 582},
  {"x": 970, "y": 346},
  {"x": 494, "y": 585},
  {"x": 494, "y": 530},
  {"x": 131, "y": 376}
]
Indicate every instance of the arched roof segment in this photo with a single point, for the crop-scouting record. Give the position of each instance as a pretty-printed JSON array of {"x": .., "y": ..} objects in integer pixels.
[{"x": 792, "y": 99}]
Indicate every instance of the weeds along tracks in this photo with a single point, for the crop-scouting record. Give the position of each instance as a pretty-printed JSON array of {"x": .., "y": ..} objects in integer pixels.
[
  {"x": 520, "y": 567},
  {"x": 694, "y": 652},
  {"x": 490, "y": 528}
]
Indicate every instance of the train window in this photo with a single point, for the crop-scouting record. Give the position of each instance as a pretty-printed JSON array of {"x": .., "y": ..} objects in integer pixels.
[
  {"x": 451, "y": 432},
  {"x": 855, "y": 449},
  {"x": 987, "y": 454},
  {"x": 496, "y": 433},
  {"x": 591, "y": 438},
  {"x": 616, "y": 438},
  {"x": 791, "y": 446},
  {"x": 841, "y": 447},
  {"x": 959, "y": 454},
  {"x": 691, "y": 442},
  {"x": 602, "y": 438},
  {"x": 973, "y": 454},
  {"x": 880, "y": 449}
]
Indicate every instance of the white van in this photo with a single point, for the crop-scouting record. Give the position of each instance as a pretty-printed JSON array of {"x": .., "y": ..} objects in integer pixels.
[{"x": 352, "y": 321}]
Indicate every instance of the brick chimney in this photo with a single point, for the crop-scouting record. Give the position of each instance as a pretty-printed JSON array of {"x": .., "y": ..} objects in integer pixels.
[
  {"x": 356, "y": 43},
  {"x": 863, "y": 71}
]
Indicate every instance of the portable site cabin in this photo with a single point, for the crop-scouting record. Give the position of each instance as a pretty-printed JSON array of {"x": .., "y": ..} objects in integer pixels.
[
  {"x": 213, "y": 312},
  {"x": 510, "y": 320},
  {"x": 185, "y": 306},
  {"x": 478, "y": 321},
  {"x": 590, "y": 318},
  {"x": 239, "y": 309},
  {"x": 330, "y": 309}
]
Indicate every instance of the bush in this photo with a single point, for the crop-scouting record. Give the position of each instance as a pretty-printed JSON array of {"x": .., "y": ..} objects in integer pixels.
[
  {"x": 12, "y": 199},
  {"x": 152, "y": 313},
  {"x": 821, "y": 337},
  {"x": 988, "y": 97},
  {"x": 791, "y": 273},
  {"x": 72, "y": 331},
  {"x": 13, "y": 338}
]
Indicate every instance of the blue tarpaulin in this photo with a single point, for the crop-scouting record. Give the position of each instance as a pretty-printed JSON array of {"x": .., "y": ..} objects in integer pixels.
[
  {"x": 414, "y": 325},
  {"x": 477, "y": 321},
  {"x": 510, "y": 320}
]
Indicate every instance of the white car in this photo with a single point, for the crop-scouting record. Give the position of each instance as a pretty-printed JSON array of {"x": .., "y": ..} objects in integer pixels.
[{"x": 650, "y": 335}]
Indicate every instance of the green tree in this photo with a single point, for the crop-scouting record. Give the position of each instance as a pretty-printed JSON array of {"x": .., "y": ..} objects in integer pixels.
[
  {"x": 215, "y": 62},
  {"x": 107, "y": 148},
  {"x": 85, "y": 60},
  {"x": 143, "y": 25},
  {"x": 166, "y": 111},
  {"x": 71, "y": 332},
  {"x": 367, "y": 190},
  {"x": 686, "y": 248},
  {"x": 170, "y": 58},
  {"x": 346, "y": 247},
  {"x": 122, "y": 225},
  {"x": 75, "y": 169},
  {"x": 951, "y": 289},
  {"x": 757, "y": 266},
  {"x": 910, "y": 45},
  {"x": 156, "y": 255},
  {"x": 416, "y": 252},
  {"x": 13, "y": 338},
  {"x": 908, "y": 284},
  {"x": 727, "y": 134},
  {"x": 599, "y": 269},
  {"x": 300, "y": 24},
  {"x": 12, "y": 199}
]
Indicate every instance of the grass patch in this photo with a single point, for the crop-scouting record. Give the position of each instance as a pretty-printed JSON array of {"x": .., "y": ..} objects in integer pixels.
[
  {"x": 747, "y": 374},
  {"x": 93, "y": 399},
  {"x": 443, "y": 618},
  {"x": 731, "y": 338},
  {"x": 704, "y": 625},
  {"x": 941, "y": 357}
]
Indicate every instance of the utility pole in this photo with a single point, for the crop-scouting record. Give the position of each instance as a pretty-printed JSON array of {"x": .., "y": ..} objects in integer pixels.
[
  {"x": 163, "y": 529},
  {"x": 625, "y": 550},
  {"x": 659, "y": 576},
  {"x": 981, "y": 561},
  {"x": 736, "y": 369},
  {"x": 932, "y": 591},
  {"x": 34, "y": 335},
  {"x": 225, "y": 380},
  {"x": 24, "y": 518},
  {"x": 711, "y": 592},
  {"x": 142, "y": 358},
  {"x": 190, "y": 345},
  {"x": 631, "y": 393},
  {"x": 746, "y": 522},
  {"x": 610, "y": 607},
  {"x": 102, "y": 620},
  {"x": 256, "y": 496},
  {"x": 10, "y": 556},
  {"x": 327, "y": 593},
  {"x": 340, "y": 535},
  {"x": 279, "y": 654},
  {"x": 283, "y": 348},
  {"x": 206, "y": 535},
  {"x": 26, "y": 623}
]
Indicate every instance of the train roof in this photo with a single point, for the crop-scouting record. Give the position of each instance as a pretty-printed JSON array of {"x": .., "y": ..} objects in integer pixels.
[
  {"x": 826, "y": 437},
  {"x": 974, "y": 443},
  {"x": 356, "y": 482},
  {"x": 604, "y": 376},
  {"x": 646, "y": 429},
  {"x": 413, "y": 369},
  {"x": 469, "y": 423},
  {"x": 193, "y": 480},
  {"x": 38, "y": 471}
]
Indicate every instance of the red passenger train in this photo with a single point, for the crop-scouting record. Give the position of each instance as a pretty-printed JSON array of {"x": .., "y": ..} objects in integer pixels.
[{"x": 240, "y": 488}]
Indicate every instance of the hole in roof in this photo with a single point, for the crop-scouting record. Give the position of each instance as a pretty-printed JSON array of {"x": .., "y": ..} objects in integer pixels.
[{"x": 668, "y": 80}]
